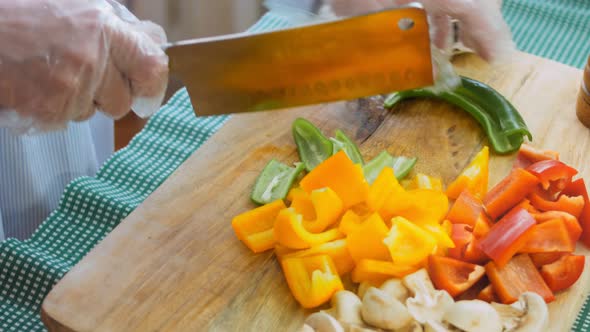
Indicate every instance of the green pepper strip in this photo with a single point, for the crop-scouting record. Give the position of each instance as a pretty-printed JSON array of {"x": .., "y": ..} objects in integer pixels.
[
  {"x": 401, "y": 166},
  {"x": 342, "y": 142},
  {"x": 274, "y": 182},
  {"x": 312, "y": 145},
  {"x": 504, "y": 126}
]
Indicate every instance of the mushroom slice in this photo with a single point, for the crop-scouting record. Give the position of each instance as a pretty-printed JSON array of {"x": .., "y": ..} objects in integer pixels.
[
  {"x": 536, "y": 313},
  {"x": 322, "y": 322},
  {"x": 473, "y": 316},
  {"x": 383, "y": 311},
  {"x": 346, "y": 308},
  {"x": 428, "y": 304},
  {"x": 414, "y": 327},
  {"x": 306, "y": 328},
  {"x": 396, "y": 288}
]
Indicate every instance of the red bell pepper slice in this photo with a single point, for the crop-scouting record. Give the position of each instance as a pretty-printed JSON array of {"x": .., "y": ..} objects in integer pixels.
[
  {"x": 466, "y": 209},
  {"x": 578, "y": 188},
  {"x": 507, "y": 236},
  {"x": 550, "y": 236},
  {"x": 473, "y": 254},
  {"x": 549, "y": 171},
  {"x": 519, "y": 275},
  {"x": 466, "y": 248},
  {"x": 571, "y": 223},
  {"x": 564, "y": 272},
  {"x": 509, "y": 192},
  {"x": 453, "y": 275},
  {"x": 526, "y": 204},
  {"x": 488, "y": 295},
  {"x": 573, "y": 205},
  {"x": 544, "y": 258},
  {"x": 528, "y": 155}
]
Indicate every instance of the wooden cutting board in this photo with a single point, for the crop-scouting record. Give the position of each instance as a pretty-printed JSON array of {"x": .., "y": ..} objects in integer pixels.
[{"x": 175, "y": 264}]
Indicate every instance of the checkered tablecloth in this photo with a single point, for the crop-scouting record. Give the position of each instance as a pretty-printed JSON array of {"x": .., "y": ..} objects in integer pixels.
[{"x": 92, "y": 206}]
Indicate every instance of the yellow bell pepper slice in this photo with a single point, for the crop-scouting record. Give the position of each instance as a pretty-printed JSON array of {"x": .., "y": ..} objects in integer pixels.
[
  {"x": 302, "y": 203},
  {"x": 377, "y": 272},
  {"x": 350, "y": 222},
  {"x": 255, "y": 227},
  {"x": 419, "y": 205},
  {"x": 366, "y": 241},
  {"x": 312, "y": 280},
  {"x": 423, "y": 181},
  {"x": 409, "y": 244},
  {"x": 340, "y": 174},
  {"x": 290, "y": 232},
  {"x": 328, "y": 209},
  {"x": 474, "y": 178},
  {"x": 383, "y": 187},
  {"x": 439, "y": 232},
  {"x": 337, "y": 250}
]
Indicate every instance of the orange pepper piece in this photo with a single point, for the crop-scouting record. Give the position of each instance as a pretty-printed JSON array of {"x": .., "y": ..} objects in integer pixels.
[
  {"x": 509, "y": 192},
  {"x": 312, "y": 280},
  {"x": 290, "y": 232},
  {"x": 409, "y": 244},
  {"x": 366, "y": 241},
  {"x": 421, "y": 206},
  {"x": 328, "y": 209},
  {"x": 337, "y": 250},
  {"x": 571, "y": 222},
  {"x": 255, "y": 227},
  {"x": 377, "y": 272},
  {"x": 474, "y": 178},
  {"x": 340, "y": 174},
  {"x": 466, "y": 209},
  {"x": 302, "y": 203},
  {"x": 550, "y": 236},
  {"x": 453, "y": 275},
  {"x": 350, "y": 222}
]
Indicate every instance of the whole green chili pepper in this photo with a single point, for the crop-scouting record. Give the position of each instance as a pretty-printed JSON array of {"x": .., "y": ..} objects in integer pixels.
[
  {"x": 503, "y": 125},
  {"x": 401, "y": 166},
  {"x": 342, "y": 142},
  {"x": 313, "y": 147},
  {"x": 274, "y": 182}
]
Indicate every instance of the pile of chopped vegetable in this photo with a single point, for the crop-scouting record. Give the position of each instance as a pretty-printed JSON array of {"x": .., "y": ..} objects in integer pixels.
[{"x": 347, "y": 217}]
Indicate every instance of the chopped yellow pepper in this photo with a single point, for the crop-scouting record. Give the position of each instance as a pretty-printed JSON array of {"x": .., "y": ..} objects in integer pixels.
[
  {"x": 376, "y": 272},
  {"x": 409, "y": 244},
  {"x": 419, "y": 205},
  {"x": 439, "y": 232},
  {"x": 337, "y": 250},
  {"x": 366, "y": 241},
  {"x": 328, "y": 209},
  {"x": 302, "y": 203},
  {"x": 255, "y": 227},
  {"x": 340, "y": 174},
  {"x": 423, "y": 181},
  {"x": 350, "y": 221},
  {"x": 474, "y": 178},
  {"x": 382, "y": 188},
  {"x": 290, "y": 232},
  {"x": 312, "y": 280}
]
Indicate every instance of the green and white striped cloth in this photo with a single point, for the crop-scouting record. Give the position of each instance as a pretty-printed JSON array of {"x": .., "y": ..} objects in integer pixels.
[{"x": 91, "y": 207}]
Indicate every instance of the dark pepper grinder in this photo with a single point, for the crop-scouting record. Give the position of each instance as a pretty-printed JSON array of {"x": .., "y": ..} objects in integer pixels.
[{"x": 583, "y": 105}]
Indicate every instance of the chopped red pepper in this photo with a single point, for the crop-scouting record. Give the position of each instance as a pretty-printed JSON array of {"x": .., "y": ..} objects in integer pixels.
[
  {"x": 509, "y": 192},
  {"x": 544, "y": 258},
  {"x": 466, "y": 209},
  {"x": 519, "y": 275},
  {"x": 461, "y": 236},
  {"x": 550, "y": 236},
  {"x": 507, "y": 236},
  {"x": 473, "y": 254},
  {"x": 528, "y": 155},
  {"x": 526, "y": 204},
  {"x": 453, "y": 275},
  {"x": 572, "y": 205},
  {"x": 564, "y": 272},
  {"x": 552, "y": 170},
  {"x": 488, "y": 295},
  {"x": 578, "y": 188},
  {"x": 572, "y": 224}
]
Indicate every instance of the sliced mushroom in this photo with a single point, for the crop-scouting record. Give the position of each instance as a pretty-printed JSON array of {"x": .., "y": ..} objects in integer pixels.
[
  {"x": 306, "y": 328},
  {"x": 528, "y": 314},
  {"x": 346, "y": 308},
  {"x": 435, "y": 326},
  {"x": 383, "y": 311},
  {"x": 427, "y": 304},
  {"x": 363, "y": 286},
  {"x": 414, "y": 327},
  {"x": 473, "y": 316},
  {"x": 359, "y": 328},
  {"x": 322, "y": 322},
  {"x": 396, "y": 288}
]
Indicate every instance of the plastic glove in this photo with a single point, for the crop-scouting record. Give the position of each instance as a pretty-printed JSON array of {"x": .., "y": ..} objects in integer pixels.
[
  {"x": 481, "y": 25},
  {"x": 64, "y": 59}
]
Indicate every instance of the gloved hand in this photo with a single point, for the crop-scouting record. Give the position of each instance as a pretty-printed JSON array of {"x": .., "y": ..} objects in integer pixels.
[
  {"x": 482, "y": 27},
  {"x": 62, "y": 60}
]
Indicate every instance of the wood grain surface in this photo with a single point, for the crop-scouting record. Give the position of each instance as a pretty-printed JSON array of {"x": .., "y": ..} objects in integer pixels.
[{"x": 175, "y": 264}]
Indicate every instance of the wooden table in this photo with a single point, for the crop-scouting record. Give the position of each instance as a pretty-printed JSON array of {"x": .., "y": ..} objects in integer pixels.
[{"x": 175, "y": 264}]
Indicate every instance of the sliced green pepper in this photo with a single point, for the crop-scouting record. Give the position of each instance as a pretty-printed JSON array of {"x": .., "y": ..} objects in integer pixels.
[
  {"x": 342, "y": 142},
  {"x": 312, "y": 145},
  {"x": 274, "y": 182},
  {"x": 503, "y": 125},
  {"x": 401, "y": 166}
]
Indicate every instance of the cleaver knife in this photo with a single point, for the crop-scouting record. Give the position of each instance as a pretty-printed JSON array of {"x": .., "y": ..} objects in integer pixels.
[{"x": 343, "y": 59}]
